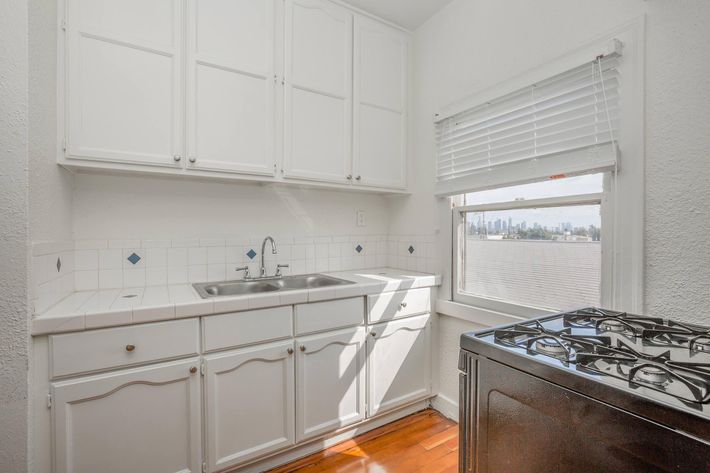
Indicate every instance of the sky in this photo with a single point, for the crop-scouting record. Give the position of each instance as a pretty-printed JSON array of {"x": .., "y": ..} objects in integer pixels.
[{"x": 578, "y": 216}]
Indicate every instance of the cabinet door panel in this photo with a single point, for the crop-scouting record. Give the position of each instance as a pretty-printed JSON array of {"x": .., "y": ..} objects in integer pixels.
[
  {"x": 381, "y": 147},
  {"x": 319, "y": 136},
  {"x": 380, "y": 97},
  {"x": 249, "y": 403},
  {"x": 330, "y": 382},
  {"x": 399, "y": 363},
  {"x": 231, "y": 86},
  {"x": 124, "y": 81},
  {"x": 318, "y": 91},
  {"x": 142, "y": 420}
]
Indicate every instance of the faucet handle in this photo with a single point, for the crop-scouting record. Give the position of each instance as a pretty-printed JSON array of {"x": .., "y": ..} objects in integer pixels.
[
  {"x": 279, "y": 267},
  {"x": 245, "y": 269}
]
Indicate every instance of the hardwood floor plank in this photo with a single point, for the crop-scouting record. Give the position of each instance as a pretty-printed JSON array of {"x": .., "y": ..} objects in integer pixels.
[{"x": 425, "y": 441}]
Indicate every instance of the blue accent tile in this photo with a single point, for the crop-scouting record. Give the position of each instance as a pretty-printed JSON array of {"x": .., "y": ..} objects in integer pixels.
[
  {"x": 359, "y": 248},
  {"x": 134, "y": 258},
  {"x": 251, "y": 254},
  {"x": 410, "y": 249},
  {"x": 59, "y": 264}
]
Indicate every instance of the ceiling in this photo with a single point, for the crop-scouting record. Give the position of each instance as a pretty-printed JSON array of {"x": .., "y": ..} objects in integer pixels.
[{"x": 409, "y": 14}]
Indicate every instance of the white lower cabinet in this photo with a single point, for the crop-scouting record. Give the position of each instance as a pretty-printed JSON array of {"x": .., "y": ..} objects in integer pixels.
[
  {"x": 399, "y": 363},
  {"x": 330, "y": 381},
  {"x": 139, "y": 420},
  {"x": 249, "y": 403}
]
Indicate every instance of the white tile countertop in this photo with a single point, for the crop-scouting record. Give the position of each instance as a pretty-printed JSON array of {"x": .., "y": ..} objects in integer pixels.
[{"x": 88, "y": 310}]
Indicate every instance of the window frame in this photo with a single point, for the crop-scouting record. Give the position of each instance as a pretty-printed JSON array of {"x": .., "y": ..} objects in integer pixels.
[{"x": 458, "y": 218}]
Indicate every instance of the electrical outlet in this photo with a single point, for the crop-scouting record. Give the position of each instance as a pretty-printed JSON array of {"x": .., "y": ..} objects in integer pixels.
[{"x": 360, "y": 218}]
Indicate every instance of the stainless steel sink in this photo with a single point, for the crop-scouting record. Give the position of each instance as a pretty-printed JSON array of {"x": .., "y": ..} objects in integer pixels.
[{"x": 287, "y": 283}]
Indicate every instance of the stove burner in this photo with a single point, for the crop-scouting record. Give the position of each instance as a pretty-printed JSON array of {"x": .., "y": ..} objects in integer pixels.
[
  {"x": 551, "y": 347},
  {"x": 701, "y": 343},
  {"x": 652, "y": 374},
  {"x": 612, "y": 325}
]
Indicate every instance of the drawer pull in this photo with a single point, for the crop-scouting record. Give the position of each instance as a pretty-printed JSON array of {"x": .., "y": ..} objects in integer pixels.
[
  {"x": 290, "y": 351},
  {"x": 193, "y": 369},
  {"x": 402, "y": 305},
  {"x": 130, "y": 348},
  {"x": 303, "y": 348}
]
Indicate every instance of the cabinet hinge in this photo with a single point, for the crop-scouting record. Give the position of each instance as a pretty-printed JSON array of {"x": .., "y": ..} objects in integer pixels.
[
  {"x": 204, "y": 467},
  {"x": 202, "y": 368},
  {"x": 276, "y": 79},
  {"x": 63, "y": 25},
  {"x": 64, "y": 145},
  {"x": 49, "y": 400}
]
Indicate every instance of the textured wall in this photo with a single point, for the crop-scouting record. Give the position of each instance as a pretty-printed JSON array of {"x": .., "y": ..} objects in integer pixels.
[
  {"x": 14, "y": 336},
  {"x": 472, "y": 44},
  {"x": 50, "y": 185},
  {"x": 678, "y": 160}
]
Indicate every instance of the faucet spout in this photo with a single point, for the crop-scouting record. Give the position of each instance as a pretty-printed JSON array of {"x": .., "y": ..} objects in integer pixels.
[{"x": 263, "y": 247}]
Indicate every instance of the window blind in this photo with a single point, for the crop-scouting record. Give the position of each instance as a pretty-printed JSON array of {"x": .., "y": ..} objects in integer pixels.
[{"x": 564, "y": 125}]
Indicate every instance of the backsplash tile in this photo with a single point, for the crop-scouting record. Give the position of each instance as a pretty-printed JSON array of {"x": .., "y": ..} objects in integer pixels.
[{"x": 120, "y": 263}]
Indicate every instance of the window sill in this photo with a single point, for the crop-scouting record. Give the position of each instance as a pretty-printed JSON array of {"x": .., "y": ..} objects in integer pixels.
[{"x": 476, "y": 315}]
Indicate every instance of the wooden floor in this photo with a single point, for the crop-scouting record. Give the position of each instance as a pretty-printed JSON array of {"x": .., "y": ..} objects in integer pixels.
[{"x": 422, "y": 442}]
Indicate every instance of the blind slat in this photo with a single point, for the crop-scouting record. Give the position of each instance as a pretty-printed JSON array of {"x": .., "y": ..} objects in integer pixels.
[{"x": 559, "y": 117}]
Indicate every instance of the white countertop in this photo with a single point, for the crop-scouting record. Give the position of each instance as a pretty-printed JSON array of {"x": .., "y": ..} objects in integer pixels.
[{"x": 88, "y": 310}]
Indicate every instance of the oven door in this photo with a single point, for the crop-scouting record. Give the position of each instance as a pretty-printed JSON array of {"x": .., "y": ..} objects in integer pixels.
[{"x": 515, "y": 422}]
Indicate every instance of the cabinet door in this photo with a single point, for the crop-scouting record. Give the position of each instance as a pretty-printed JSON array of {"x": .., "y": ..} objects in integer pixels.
[
  {"x": 399, "y": 363},
  {"x": 330, "y": 381},
  {"x": 380, "y": 97},
  {"x": 124, "y": 81},
  {"x": 318, "y": 91},
  {"x": 230, "y": 90},
  {"x": 141, "y": 420},
  {"x": 249, "y": 403}
]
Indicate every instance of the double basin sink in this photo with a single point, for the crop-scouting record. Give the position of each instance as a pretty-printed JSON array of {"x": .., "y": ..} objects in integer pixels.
[{"x": 257, "y": 286}]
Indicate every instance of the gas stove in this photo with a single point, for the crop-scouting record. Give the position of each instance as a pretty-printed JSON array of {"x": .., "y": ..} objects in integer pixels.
[
  {"x": 655, "y": 370},
  {"x": 646, "y": 352}
]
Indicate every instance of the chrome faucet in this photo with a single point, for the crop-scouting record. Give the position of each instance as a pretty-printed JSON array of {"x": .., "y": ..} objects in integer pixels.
[{"x": 262, "y": 270}]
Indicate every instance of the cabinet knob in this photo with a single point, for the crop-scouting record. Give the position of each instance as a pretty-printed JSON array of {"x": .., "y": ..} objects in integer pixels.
[
  {"x": 130, "y": 348},
  {"x": 373, "y": 333},
  {"x": 349, "y": 177},
  {"x": 290, "y": 351},
  {"x": 177, "y": 158},
  {"x": 403, "y": 305},
  {"x": 193, "y": 369},
  {"x": 302, "y": 348},
  {"x": 192, "y": 159},
  {"x": 358, "y": 178}
]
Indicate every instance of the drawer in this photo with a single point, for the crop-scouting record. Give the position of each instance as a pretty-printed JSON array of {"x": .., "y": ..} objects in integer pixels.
[
  {"x": 398, "y": 304},
  {"x": 320, "y": 316},
  {"x": 97, "y": 350},
  {"x": 246, "y": 328}
]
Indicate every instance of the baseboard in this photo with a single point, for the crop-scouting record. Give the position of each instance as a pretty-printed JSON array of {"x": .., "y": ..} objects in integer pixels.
[{"x": 446, "y": 406}]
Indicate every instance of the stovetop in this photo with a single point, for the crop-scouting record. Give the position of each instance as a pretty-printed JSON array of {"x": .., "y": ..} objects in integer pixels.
[{"x": 654, "y": 358}]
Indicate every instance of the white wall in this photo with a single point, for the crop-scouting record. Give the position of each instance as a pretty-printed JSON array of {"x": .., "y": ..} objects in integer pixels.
[
  {"x": 150, "y": 207},
  {"x": 14, "y": 322},
  {"x": 473, "y": 44}
]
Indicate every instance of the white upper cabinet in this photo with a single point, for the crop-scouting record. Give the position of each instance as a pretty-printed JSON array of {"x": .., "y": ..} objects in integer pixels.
[
  {"x": 299, "y": 91},
  {"x": 142, "y": 420},
  {"x": 230, "y": 85},
  {"x": 249, "y": 403},
  {"x": 123, "y": 95},
  {"x": 318, "y": 91},
  {"x": 380, "y": 96},
  {"x": 330, "y": 382}
]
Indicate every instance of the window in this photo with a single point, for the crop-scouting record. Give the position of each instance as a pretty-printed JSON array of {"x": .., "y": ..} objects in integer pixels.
[
  {"x": 545, "y": 175},
  {"x": 533, "y": 246}
]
